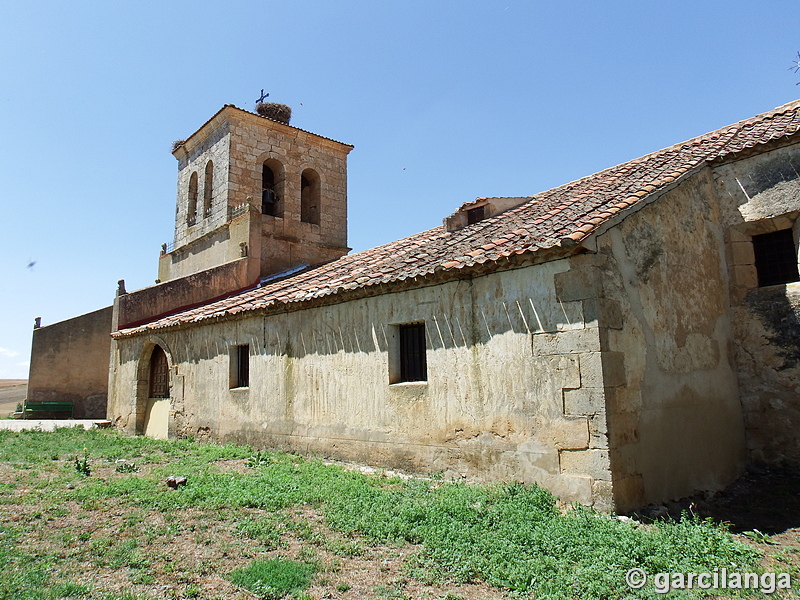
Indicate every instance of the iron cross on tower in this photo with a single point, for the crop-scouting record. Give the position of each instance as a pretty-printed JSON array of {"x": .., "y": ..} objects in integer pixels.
[{"x": 263, "y": 97}]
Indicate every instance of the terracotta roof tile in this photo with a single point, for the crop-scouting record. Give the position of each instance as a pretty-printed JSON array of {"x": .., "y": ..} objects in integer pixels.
[{"x": 569, "y": 212}]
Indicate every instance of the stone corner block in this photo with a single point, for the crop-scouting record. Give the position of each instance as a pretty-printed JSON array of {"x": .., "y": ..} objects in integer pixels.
[
  {"x": 602, "y": 369},
  {"x": 572, "y": 488},
  {"x": 578, "y": 284},
  {"x": 571, "y": 341},
  {"x": 537, "y": 457},
  {"x": 565, "y": 434},
  {"x": 745, "y": 276},
  {"x": 591, "y": 462},
  {"x": 603, "y": 495},
  {"x": 603, "y": 313},
  {"x": 583, "y": 401},
  {"x": 629, "y": 493},
  {"x": 623, "y": 428}
]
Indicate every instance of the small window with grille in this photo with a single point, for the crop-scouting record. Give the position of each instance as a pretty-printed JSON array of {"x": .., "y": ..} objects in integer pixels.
[
  {"x": 776, "y": 257},
  {"x": 409, "y": 360},
  {"x": 240, "y": 366}
]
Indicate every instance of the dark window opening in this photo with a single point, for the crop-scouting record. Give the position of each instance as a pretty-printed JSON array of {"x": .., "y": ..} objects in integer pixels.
[
  {"x": 413, "y": 362},
  {"x": 159, "y": 374},
  {"x": 208, "y": 189},
  {"x": 475, "y": 214},
  {"x": 309, "y": 197},
  {"x": 776, "y": 257},
  {"x": 269, "y": 199},
  {"x": 240, "y": 366},
  {"x": 191, "y": 213}
]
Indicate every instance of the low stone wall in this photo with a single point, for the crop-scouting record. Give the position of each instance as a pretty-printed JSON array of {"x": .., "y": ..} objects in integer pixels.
[{"x": 168, "y": 297}]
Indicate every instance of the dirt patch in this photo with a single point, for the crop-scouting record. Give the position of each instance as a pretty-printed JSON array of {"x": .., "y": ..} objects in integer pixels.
[
  {"x": 761, "y": 500},
  {"x": 768, "y": 501}
]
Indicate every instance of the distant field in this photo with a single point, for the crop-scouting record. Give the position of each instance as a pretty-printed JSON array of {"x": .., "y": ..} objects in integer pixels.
[
  {"x": 4, "y": 383},
  {"x": 12, "y": 391}
]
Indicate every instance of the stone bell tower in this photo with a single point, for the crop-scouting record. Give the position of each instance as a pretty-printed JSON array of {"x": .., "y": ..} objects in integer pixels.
[
  {"x": 256, "y": 198},
  {"x": 255, "y": 191}
]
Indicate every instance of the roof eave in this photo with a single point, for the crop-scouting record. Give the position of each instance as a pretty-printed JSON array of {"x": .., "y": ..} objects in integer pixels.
[{"x": 563, "y": 249}]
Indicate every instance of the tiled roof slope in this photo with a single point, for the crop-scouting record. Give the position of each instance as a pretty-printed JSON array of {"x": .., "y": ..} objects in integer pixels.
[{"x": 560, "y": 217}]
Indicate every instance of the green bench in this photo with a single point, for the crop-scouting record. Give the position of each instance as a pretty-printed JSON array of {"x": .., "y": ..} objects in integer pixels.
[{"x": 41, "y": 409}]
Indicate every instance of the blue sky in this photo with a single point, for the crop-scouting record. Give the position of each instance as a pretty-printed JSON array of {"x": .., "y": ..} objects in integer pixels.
[{"x": 443, "y": 101}]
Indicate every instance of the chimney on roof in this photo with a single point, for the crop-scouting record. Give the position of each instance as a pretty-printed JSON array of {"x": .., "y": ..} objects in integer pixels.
[{"x": 275, "y": 111}]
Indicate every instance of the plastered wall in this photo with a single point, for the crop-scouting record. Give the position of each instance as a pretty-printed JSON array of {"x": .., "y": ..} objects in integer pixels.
[
  {"x": 69, "y": 362},
  {"x": 674, "y": 417},
  {"x": 648, "y": 370},
  {"x": 514, "y": 390}
]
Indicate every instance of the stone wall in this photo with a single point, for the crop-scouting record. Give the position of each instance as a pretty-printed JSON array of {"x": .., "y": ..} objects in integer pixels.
[
  {"x": 674, "y": 418},
  {"x": 286, "y": 240},
  {"x": 213, "y": 145},
  {"x": 257, "y": 140},
  {"x": 514, "y": 390},
  {"x": 761, "y": 194},
  {"x": 70, "y": 360},
  {"x": 650, "y": 369}
]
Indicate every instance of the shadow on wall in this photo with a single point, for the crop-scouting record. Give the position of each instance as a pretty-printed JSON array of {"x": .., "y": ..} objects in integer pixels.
[
  {"x": 774, "y": 406},
  {"x": 442, "y": 331},
  {"x": 780, "y": 314}
]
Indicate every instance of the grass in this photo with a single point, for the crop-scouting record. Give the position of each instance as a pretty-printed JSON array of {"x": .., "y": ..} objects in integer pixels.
[
  {"x": 272, "y": 522},
  {"x": 274, "y": 578}
]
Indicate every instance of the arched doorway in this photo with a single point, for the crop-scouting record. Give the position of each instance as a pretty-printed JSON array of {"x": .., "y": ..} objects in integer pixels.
[{"x": 156, "y": 414}]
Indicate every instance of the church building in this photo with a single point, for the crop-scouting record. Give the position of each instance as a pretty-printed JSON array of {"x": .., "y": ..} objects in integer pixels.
[{"x": 626, "y": 338}]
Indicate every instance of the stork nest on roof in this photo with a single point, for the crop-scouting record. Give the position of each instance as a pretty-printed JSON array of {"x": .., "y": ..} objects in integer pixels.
[
  {"x": 275, "y": 111},
  {"x": 177, "y": 144}
]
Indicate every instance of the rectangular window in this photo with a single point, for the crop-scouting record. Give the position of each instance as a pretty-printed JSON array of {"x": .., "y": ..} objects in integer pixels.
[
  {"x": 776, "y": 257},
  {"x": 475, "y": 214},
  {"x": 413, "y": 361},
  {"x": 240, "y": 366}
]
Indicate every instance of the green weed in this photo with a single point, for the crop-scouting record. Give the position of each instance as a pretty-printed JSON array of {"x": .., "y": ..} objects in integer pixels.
[
  {"x": 273, "y": 578},
  {"x": 82, "y": 466},
  {"x": 263, "y": 529},
  {"x": 259, "y": 459},
  {"x": 126, "y": 467},
  {"x": 72, "y": 590},
  {"x": 757, "y": 536},
  {"x": 344, "y": 547}
]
